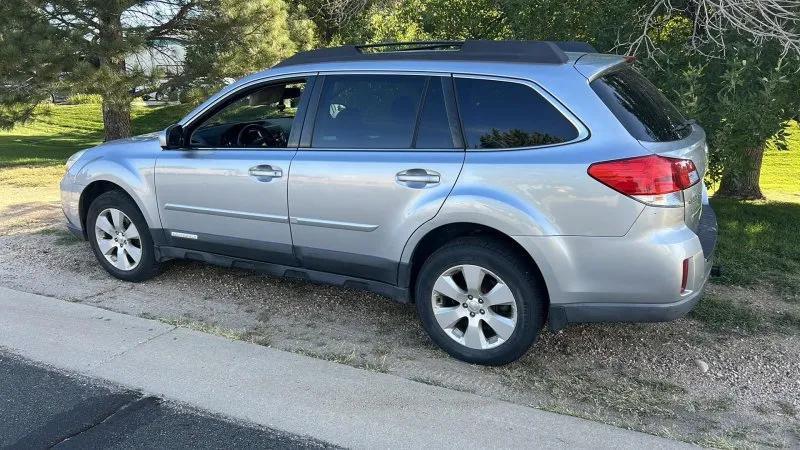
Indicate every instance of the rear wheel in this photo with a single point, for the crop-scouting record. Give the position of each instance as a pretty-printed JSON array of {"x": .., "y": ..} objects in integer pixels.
[
  {"x": 120, "y": 237},
  {"x": 480, "y": 301}
]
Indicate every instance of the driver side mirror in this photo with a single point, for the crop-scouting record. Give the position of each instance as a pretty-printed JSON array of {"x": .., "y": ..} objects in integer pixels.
[{"x": 172, "y": 138}]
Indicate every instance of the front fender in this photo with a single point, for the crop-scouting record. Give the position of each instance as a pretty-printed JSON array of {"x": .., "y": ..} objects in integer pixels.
[{"x": 134, "y": 176}]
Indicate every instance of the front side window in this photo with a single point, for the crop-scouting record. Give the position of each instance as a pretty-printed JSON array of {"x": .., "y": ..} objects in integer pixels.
[
  {"x": 368, "y": 111},
  {"x": 259, "y": 119},
  {"x": 501, "y": 114}
]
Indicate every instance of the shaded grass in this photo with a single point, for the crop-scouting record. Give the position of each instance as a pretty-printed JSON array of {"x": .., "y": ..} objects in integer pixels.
[
  {"x": 719, "y": 314},
  {"x": 760, "y": 242}
]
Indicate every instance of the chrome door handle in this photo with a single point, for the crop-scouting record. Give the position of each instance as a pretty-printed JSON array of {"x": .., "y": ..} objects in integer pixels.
[
  {"x": 266, "y": 171},
  {"x": 418, "y": 176}
]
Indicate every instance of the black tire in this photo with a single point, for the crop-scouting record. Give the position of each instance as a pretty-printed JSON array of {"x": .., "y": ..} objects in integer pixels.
[
  {"x": 508, "y": 265},
  {"x": 148, "y": 267}
]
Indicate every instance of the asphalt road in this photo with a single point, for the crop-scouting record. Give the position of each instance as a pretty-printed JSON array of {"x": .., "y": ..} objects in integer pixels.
[{"x": 44, "y": 408}]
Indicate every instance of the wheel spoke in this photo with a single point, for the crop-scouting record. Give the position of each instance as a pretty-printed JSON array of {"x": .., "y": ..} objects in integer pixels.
[
  {"x": 447, "y": 317},
  {"x": 122, "y": 260},
  {"x": 103, "y": 224},
  {"x": 105, "y": 245},
  {"x": 499, "y": 295},
  {"x": 116, "y": 219},
  {"x": 503, "y": 326},
  {"x": 134, "y": 252},
  {"x": 473, "y": 275},
  {"x": 473, "y": 336},
  {"x": 131, "y": 232},
  {"x": 446, "y": 286}
]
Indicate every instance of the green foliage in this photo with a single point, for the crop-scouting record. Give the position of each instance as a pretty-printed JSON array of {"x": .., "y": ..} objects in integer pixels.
[
  {"x": 85, "y": 99},
  {"x": 80, "y": 46},
  {"x": 236, "y": 38}
]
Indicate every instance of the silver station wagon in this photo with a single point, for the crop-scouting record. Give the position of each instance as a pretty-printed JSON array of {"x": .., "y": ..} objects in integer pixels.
[{"x": 495, "y": 184}]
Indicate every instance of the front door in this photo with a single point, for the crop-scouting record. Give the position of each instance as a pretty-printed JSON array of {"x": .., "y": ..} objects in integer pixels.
[
  {"x": 226, "y": 193},
  {"x": 371, "y": 175}
]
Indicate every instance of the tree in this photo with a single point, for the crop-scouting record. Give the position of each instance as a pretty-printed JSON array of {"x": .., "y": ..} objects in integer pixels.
[
  {"x": 733, "y": 65},
  {"x": 235, "y": 38},
  {"x": 81, "y": 46}
]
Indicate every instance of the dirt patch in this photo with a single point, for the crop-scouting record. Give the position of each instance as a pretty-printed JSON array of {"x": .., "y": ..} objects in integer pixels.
[{"x": 643, "y": 377}]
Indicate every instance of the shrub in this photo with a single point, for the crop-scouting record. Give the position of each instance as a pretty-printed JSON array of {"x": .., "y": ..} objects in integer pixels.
[{"x": 84, "y": 99}]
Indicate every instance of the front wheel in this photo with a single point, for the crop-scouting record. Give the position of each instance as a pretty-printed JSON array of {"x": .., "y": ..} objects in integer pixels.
[
  {"x": 480, "y": 301},
  {"x": 120, "y": 237}
]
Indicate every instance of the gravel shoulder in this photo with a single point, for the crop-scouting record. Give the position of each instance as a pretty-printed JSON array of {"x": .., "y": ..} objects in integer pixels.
[{"x": 643, "y": 377}]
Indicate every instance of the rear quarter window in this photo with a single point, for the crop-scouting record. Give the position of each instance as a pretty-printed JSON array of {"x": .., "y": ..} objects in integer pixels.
[
  {"x": 503, "y": 114},
  {"x": 641, "y": 108}
]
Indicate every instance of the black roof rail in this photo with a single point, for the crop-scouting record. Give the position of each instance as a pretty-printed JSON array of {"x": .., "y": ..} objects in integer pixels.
[
  {"x": 540, "y": 52},
  {"x": 576, "y": 46}
]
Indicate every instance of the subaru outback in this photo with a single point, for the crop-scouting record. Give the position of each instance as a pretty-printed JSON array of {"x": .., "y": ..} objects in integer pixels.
[{"x": 494, "y": 184}]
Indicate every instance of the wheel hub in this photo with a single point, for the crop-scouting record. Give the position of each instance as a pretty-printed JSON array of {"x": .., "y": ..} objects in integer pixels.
[{"x": 473, "y": 306}]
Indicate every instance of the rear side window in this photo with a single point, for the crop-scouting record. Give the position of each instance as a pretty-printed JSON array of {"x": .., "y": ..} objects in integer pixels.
[
  {"x": 641, "y": 107},
  {"x": 500, "y": 114},
  {"x": 368, "y": 111}
]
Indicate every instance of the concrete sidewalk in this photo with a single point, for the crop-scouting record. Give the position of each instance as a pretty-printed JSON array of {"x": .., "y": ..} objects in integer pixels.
[{"x": 286, "y": 391}]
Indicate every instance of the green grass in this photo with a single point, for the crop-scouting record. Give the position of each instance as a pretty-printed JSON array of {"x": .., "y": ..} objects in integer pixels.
[
  {"x": 58, "y": 131},
  {"x": 780, "y": 174},
  {"x": 759, "y": 241}
]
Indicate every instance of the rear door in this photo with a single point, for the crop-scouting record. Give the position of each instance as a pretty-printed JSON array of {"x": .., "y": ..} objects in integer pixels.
[
  {"x": 381, "y": 155},
  {"x": 658, "y": 126}
]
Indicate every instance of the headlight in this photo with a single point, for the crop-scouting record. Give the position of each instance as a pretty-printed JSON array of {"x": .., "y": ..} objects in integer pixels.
[{"x": 75, "y": 157}]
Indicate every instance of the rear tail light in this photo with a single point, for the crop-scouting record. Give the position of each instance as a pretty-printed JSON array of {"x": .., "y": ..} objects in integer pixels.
[{"x": 653, "y": 179}]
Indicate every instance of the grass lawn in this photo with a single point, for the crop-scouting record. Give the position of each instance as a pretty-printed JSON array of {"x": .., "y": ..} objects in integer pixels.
[{"x": 61, "y": 130}]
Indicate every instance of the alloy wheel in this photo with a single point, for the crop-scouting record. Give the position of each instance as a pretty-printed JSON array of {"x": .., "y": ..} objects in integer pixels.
[
  {"x": 118, "y": 239},
  {"x": 474, "y": 307}
]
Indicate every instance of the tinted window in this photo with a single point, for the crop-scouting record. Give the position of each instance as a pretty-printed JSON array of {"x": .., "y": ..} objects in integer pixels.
[
  {"x": 259, "y": 119},
  {"x": 368, "y": 111},
  {"x": 498, "y": 114},
  {"x": 434, "y": 127},
  {"x": 641, "y": 107}
]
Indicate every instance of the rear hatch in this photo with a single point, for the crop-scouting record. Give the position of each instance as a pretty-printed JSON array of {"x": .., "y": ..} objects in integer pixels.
[{"x": 658, "y": 126}]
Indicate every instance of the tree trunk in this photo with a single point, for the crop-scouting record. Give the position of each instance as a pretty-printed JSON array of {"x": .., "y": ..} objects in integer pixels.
[
  {"x": 111, "y": 59},
  {"x": 744, "y": 183},
  {"x": 116, "y": 120}
]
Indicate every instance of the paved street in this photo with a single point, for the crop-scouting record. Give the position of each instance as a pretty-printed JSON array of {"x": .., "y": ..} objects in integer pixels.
[{"x": 45, "y": 408}]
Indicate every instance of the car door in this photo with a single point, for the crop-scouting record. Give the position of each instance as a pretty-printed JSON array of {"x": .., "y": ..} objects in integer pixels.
[
  {"x": 366, "y": 175},
  {"x": 226, "y": 192}
]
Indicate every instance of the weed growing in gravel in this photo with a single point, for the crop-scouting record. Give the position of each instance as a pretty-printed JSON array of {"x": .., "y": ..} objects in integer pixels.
[
  {"x": 258, "y": 336},
  {"x": 359, "y": 361}
]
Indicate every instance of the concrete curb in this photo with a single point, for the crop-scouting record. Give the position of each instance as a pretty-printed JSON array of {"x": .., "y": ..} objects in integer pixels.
[{"x": 295, "y": 393}]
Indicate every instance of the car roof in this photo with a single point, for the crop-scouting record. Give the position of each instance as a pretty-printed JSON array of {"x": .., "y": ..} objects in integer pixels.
[
  {"x": 514, "y": 59},
  {"x": 540, "y": 52}
]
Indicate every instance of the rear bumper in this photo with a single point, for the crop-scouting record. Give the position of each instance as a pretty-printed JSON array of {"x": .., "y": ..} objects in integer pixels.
[{"x": 631, "y": 279}]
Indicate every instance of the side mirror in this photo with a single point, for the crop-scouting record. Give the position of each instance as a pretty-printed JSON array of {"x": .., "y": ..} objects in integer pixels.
[{"x": 172, "y": 137}]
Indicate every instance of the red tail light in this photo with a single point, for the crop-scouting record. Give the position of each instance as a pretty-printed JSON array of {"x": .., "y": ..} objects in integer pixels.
[
  {"x": 685, "y": 277},
  {"x": 649, "y": 179}
]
